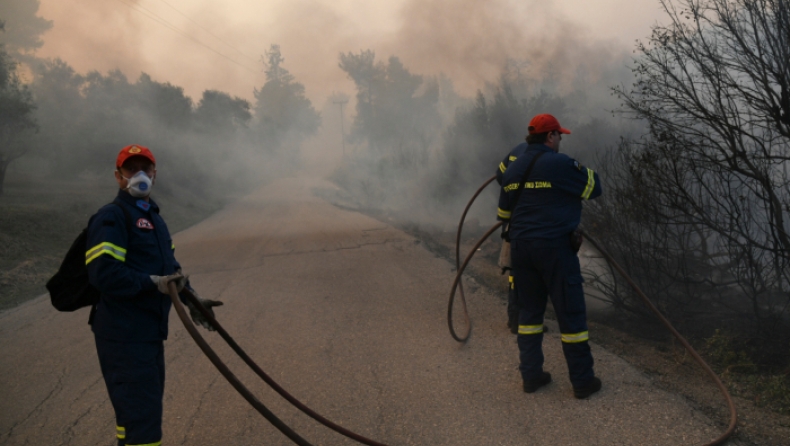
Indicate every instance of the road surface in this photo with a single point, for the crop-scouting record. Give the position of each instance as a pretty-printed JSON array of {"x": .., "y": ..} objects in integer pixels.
[{"x": 348, "y": 314}]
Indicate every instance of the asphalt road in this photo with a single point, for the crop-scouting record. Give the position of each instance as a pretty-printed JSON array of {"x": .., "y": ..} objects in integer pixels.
[{"x": 348, "y": 314}]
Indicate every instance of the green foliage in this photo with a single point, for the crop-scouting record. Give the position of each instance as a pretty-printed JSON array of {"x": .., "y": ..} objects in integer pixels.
[
  {"x": 723, "y": 353},
  {"x": 766, "y": 386}
]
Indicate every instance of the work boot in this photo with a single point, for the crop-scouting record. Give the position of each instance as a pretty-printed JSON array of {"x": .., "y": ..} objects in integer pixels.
[
  {"x": 531, "y": 385},
  {"x": 591, "y": 387}
]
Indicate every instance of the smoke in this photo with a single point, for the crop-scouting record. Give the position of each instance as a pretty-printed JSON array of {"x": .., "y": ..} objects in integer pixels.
[{"x": 467, "y": 41}]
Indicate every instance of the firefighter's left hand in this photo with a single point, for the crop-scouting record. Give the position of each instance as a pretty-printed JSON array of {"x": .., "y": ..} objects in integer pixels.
[{"x": 197, "y": 316}]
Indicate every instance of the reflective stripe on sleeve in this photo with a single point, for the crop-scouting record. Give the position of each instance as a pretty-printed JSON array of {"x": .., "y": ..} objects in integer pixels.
[
  {"x": 501, "y": 213},
  {"x": 173, "y": 246},
  {"x": 512, "y": 283},
  {"x": 573, "y": 338},
  {"x": 590, "y": 184},
  {"x": 502, "y": 167},
  {"x": 105, "y": 248},
  {"x": 530, "y": 329},
  {"x": 512, "y": 158},
  {"x": 120, "y": 432}
]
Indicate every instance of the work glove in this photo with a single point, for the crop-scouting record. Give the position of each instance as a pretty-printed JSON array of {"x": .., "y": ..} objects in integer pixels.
[
  {"x": 162, "y": 281},
  {"x": 197, "y": 316}
]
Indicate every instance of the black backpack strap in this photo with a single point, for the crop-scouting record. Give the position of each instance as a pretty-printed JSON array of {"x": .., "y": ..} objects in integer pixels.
[
  {"x": 126, "y": 214},
  {"x": 128, "y": 221},
  {"x": 524, "y": 179}
]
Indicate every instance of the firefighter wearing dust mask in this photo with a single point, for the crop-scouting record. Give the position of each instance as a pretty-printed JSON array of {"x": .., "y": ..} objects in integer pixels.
[
  {"x": 543, "y": 211},
  {"x": 130, "y": 260}
]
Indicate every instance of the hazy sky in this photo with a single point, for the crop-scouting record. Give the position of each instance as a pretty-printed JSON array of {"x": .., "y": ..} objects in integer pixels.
[{"x": 466, "y": 39}]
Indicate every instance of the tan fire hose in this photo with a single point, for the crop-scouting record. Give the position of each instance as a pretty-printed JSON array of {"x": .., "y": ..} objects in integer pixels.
[{"x": 730, "y": 404}]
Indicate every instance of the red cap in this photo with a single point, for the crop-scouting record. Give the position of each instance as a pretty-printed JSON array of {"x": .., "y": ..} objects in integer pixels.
[
  {"x": 545, "y": 123},
  {"x": 130, "y": 151}
]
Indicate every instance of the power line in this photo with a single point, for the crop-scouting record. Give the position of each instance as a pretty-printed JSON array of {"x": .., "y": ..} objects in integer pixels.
[
  {"x": 153, "y": 16},
  {"x": 206, "y": 30}
]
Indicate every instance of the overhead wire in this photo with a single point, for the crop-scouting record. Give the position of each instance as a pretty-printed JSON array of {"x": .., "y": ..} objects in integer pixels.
[
  {"x": 209, "y": 32},
  {"x": 153, "y": 16}
]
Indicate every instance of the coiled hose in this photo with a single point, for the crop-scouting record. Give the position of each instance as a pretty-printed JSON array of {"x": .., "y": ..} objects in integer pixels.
[{"x": 456, "y": 285}]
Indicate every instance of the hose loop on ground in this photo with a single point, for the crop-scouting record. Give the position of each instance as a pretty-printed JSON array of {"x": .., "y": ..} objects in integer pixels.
[{"x": 730, "y": 404}]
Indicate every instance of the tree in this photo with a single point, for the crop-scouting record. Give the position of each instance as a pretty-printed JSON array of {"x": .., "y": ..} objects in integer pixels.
[
  {"x": 714, "y": 87},
  {"x": 16, "y": 115},
  {"x": 24, "y": 27},
  {"x": 219, "y": 112},
  {"x": 283, "y": 114},
  {"x": 396, "y": 110}
]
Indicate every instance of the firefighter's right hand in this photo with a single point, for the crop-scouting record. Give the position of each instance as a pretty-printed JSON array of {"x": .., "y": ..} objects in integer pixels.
[{"x": 161, "y": 282}]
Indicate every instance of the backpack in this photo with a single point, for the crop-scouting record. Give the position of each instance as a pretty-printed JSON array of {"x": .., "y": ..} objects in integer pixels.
[{"x": 69, "y": 288}]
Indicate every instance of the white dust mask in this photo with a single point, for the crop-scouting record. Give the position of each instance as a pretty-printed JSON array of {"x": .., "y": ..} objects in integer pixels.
[{"x": 139, "y": 185}]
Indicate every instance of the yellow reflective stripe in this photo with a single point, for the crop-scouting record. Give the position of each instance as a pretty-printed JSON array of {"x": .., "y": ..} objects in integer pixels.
[
  {"x": 512, "y": 158},
  {"x": 530, "y": 329},
  {"x": 158, "y": 443},
  {"x": 120, "y": 432},
  {"x": 511, "y": 186},
  {"x": 537, "y": 185},
  {"x": 105, "y": 248},
  {"x": 502, "y": 167},
  {"x": 590, "y": 184},
  {"x": 502, "y": 213},
  {"x": 576, "y": 337},
  {"x": 173, "y": 246},
  {"x": 512, "y": 283}
]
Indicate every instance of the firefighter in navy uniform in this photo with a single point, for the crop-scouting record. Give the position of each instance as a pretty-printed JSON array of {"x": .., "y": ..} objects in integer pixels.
[
  {"x": 130, "y": 259},
  {"x": 543, "y": 252},
  {"x": 512, "y": 295}
]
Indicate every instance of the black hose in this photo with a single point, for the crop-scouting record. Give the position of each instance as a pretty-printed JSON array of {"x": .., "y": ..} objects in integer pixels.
[
  {"x": 266, "y": 378},
  {"x": 225, "y": 371},
  {"x": 664, "y": 321}
]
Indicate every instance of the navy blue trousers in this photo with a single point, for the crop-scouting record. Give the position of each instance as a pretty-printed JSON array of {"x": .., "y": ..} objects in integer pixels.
[
  {"x": 543, "y": 269},
  {"x": 134, "y": 373}
]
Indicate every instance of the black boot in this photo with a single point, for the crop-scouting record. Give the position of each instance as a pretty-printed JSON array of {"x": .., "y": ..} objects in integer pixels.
[
  {"x": 530, "y": 386},
  {"x": 588, "y": 389}
]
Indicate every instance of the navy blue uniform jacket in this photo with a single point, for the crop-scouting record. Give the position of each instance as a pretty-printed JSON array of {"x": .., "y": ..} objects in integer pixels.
[
  {"x": 550, "y": 207},
  {"x": 512, "y": 156},
  {"x": 120, "y": 263}
]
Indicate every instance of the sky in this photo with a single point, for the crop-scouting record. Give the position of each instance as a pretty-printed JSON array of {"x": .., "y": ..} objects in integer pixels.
[{"x": 210, "y": 44}]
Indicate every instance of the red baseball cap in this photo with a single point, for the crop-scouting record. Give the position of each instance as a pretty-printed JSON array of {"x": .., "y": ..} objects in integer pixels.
[
  {"x": 545, "y": 123},
  {"x": 133, "y": 150}
]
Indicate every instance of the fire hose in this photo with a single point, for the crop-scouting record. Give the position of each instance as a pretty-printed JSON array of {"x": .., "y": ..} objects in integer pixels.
[
  {"x": 234, "y": 381},
  {"x": 457, "y": 286}
]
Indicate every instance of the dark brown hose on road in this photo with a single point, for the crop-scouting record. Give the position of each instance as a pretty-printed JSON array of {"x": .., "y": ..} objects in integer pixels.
[
  {"x": 223, "y": 369},
  {"x": 680, "y": 338},
  {"x": 282, "y": 427},
  {"x": 730, "y": 404},
  {"x": 458, "y": 268}
]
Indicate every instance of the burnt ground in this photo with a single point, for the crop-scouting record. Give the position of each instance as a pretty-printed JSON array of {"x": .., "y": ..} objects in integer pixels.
[{"x": 652, "y": 349}]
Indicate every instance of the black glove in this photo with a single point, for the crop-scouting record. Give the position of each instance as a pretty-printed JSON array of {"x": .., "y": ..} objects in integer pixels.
[{"x": 197, "y": 316}]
